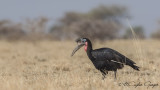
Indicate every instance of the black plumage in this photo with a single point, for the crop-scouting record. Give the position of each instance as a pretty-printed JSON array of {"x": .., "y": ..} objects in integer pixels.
[{"x": 105, "y": 59}]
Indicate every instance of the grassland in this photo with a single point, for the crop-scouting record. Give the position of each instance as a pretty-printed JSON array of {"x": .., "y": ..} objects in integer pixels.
[{"x": 47, "y": 65}]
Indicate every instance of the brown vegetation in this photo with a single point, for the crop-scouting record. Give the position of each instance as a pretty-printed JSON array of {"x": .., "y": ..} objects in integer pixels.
[
  {"x": 103, "y": 22},
  {"x": 156, "y": 34},
  {"x": 30, "y": 29},
  {"x": 138, "y": 30},
  {"x": 47, "y": 65}
]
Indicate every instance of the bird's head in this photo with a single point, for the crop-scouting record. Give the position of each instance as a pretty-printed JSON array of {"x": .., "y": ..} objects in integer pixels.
[{"x": 80, "y": 43}]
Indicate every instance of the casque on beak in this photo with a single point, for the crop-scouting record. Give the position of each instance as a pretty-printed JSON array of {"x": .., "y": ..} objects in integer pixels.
[{"x": 80, "y": 44}]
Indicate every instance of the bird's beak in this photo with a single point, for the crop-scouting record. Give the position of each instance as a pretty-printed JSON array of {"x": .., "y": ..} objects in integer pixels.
[{"x": 77, "y": 48}]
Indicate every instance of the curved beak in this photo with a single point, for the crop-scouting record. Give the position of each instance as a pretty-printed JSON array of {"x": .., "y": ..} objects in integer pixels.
[{"x": 77, "y": 48}]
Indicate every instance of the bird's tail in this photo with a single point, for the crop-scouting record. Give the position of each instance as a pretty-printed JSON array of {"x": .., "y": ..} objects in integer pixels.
[
  {"x": 131, "y": 63},
  {"x": 135, "y": 67}
]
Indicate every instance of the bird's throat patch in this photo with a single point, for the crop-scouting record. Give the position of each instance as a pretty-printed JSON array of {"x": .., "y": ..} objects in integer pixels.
[{"x": 86, "y": 46}]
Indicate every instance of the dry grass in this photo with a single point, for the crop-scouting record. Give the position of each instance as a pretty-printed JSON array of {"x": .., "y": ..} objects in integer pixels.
[{"x": 47, "y": 65}]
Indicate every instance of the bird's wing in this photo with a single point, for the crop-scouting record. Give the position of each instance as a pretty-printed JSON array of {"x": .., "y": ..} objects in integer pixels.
[
  {"x": 122, "y": 58},
  {"x": 107, "y": 54}
]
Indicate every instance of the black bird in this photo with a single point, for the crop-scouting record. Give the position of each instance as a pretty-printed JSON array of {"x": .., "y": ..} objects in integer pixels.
[{"x": 104, "y": 59}]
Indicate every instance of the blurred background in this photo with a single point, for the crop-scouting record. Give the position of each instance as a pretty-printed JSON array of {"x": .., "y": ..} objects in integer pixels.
[
  {"x": 37, "y": 38},
  {"x": 67, "y": 20}
]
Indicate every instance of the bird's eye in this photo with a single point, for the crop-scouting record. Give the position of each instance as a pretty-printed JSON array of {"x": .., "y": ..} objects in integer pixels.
[{"x": 84, "y": 40}]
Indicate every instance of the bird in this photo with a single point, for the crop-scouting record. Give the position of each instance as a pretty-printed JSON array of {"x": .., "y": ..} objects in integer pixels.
[{"x": 104, "y": 59}]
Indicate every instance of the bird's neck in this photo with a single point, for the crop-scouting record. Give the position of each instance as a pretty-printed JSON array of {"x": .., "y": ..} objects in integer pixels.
[{"x": 88, "y": 49}]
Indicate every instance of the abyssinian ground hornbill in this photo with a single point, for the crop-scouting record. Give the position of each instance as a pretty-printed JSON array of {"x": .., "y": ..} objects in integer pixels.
[{"x": 104, "y": 59}]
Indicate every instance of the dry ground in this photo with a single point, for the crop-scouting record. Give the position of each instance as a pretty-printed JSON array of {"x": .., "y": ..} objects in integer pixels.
[{"x": 47, "y": 65}]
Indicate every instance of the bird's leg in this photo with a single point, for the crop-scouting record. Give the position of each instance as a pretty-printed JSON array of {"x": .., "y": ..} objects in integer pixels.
[
  {"x": 104, "y": 76},
  {"x": 115, "y": 74},
  {"x": 103, "y": 73}
]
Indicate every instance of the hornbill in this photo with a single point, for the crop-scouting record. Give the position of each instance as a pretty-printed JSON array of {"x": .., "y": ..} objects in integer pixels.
[{"x": 104, "y": 59}]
